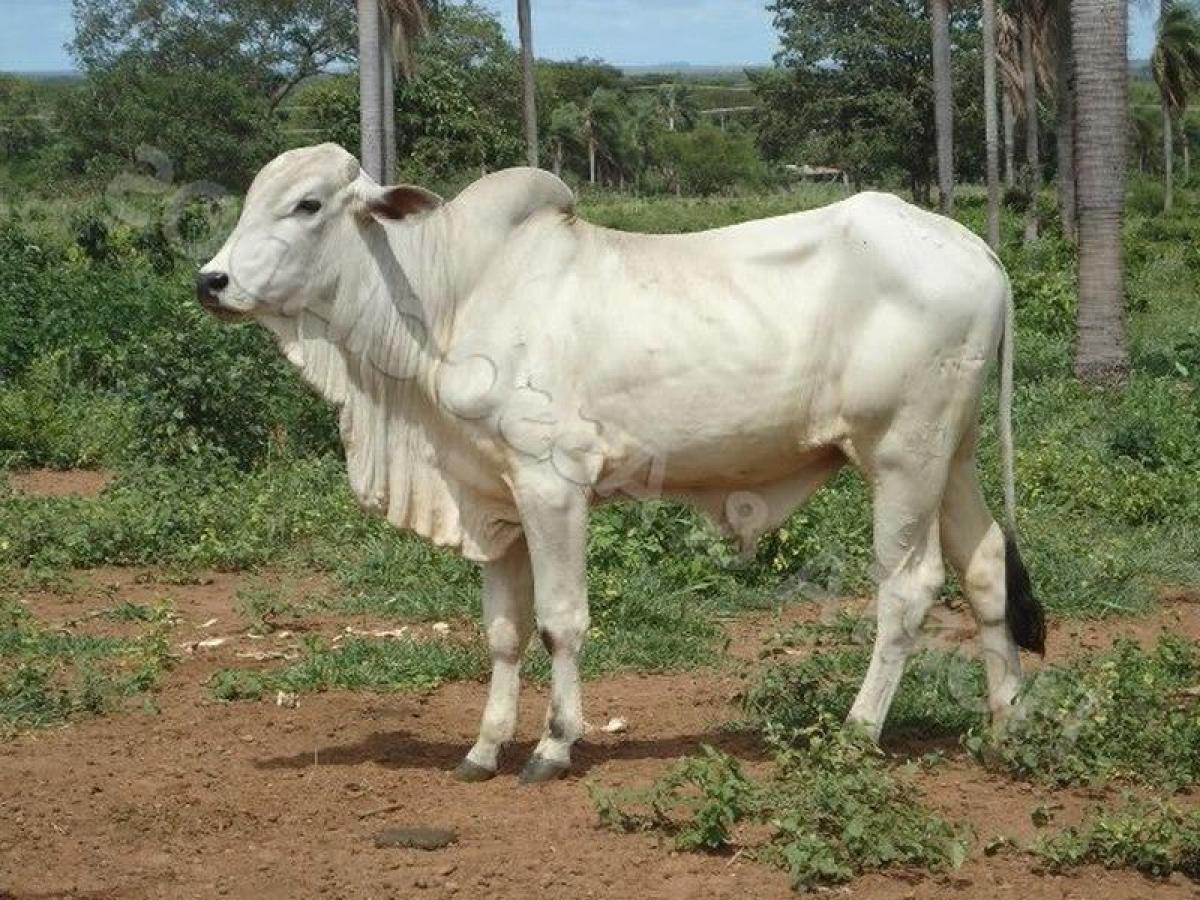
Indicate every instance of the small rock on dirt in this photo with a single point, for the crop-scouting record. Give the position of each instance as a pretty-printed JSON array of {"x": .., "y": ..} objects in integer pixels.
[{"x": 416, "y": 837}]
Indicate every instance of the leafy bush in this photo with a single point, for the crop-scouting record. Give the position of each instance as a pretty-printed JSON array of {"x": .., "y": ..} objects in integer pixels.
[
  {"x": 46, "y": 421},
  {"x": 707, "y": 160},
  {"x": 1152, "y": 837},
  {"x": 117, "y": 330},
  {"x": 833, "y": 807},
  {"x": 1126, "y": 714},
  {"x": 941, "y": 693}
]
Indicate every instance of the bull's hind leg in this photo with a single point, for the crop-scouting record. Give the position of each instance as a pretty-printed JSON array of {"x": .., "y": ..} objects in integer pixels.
[
  {"x": 974, "y": 545},
  {"x": 508, "y": 622},
  {"x": 908, "y": 556}
]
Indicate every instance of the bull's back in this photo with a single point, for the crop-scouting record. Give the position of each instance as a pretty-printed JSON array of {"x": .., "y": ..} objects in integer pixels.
[{"x": 748, "y": 346}]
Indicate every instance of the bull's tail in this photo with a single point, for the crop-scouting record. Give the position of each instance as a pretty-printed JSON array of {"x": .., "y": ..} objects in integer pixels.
[{"x": 1022, "y": 612}]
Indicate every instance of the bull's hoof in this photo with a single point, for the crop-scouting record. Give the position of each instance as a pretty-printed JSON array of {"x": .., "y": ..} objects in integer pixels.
[
  {"x": 471, "y": 772},
  {"x": 538, "y": 770}
]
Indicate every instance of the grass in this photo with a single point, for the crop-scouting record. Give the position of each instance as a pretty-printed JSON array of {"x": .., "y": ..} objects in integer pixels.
[
  {"x": 49, "y": 676},
  {"x": 377, "y": 664}
]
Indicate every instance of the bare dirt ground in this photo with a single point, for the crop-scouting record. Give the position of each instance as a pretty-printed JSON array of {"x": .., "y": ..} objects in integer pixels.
[
  {"x": 255, "y": 800},
  {"x": 205, "y": 799},
  {"x": 53, "y": 483}
]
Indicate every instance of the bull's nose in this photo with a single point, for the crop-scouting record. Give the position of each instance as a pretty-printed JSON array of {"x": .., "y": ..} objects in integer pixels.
[{"x": 209, "y": 285}]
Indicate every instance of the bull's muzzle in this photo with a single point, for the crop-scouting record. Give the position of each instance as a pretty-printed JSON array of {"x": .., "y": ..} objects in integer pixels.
[{"x": 208, "y": 289}]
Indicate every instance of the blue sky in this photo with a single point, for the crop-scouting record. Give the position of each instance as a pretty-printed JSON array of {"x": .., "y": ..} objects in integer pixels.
[{"x": 625, "y": 32}]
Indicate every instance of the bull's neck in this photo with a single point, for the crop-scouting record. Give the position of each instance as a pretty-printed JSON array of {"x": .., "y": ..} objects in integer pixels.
[
  {"x": 389, "y": 311},
  {"x": 371, "y": 346}
]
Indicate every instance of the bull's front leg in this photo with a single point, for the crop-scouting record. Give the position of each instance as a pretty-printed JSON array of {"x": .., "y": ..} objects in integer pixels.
[
  {"x": 554, "y": 513},
  {"x": 507, "y": 622}
]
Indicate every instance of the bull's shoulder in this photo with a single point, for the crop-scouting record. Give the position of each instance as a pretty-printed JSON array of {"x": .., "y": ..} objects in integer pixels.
[{"x": 511, "y": 196}]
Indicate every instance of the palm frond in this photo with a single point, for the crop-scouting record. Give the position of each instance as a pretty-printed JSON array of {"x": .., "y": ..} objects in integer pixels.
[{"x": 406, "y": 21}]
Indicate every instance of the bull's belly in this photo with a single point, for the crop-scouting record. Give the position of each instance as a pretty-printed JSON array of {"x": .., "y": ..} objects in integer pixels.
[{"x": 712, "y": 449}]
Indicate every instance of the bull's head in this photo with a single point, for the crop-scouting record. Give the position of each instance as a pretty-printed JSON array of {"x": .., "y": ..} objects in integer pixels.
[{"x": 298, "y": 214}]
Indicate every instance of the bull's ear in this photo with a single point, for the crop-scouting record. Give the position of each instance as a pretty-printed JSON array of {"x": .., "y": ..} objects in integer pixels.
[{"x": 396, "y": 202}]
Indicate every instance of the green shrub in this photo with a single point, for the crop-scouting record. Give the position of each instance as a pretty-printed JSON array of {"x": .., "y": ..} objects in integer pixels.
[
  {"x": 833, "y": 807},
  {"x": 1153, "y": 837},
  {"x": 1128, "y": 714},
  {"x": 941, "y": 693}
]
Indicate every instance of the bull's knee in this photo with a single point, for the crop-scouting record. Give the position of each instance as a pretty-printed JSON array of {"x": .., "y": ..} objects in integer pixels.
[
  {"x": 563, "y": 635},
  {"x": 504, "y": 640}
]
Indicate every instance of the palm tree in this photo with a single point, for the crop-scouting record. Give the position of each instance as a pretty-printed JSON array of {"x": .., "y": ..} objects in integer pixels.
[
  {"x": 677, "y": 106},
  {"x": 1176, "y": 67},
  {"x": 525, "y": 28},
  {"x": 1030, "y": 29},
  {"x": 1065, "y": 116},
  {"x": 991, "y": 130},
  {"x": 387, "y": 31},
  {"x": 565, "y": 131},
  {"x": 943, "y": 103},
  {"x": 1008, "y": 57},
  {"x": 1099, "y": 31}
]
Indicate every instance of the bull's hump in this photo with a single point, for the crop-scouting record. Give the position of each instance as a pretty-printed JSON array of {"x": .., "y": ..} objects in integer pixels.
[{"x": 513, "y": 195}]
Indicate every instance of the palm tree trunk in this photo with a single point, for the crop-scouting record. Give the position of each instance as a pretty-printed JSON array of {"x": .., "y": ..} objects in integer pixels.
[
  {"x": 1099, "y": 30},
  {"x": 1187, "y": 155},
  {"x": 525, "y": 27},
  {"x": 370, "y": 81},
  {"x": 387, "y": 63},
  {"x": 1033, "y": 177},
  {"x": 558, "y": 158},
  {"x": 591, "y": 158},
  {"x": 1168, "y": 159},
  {"x": 1009, "y": 120},
  {"x": 1065, "y": 88},
  {"x": 991, "y": 135},
  {"x": 943, "y": 103}
]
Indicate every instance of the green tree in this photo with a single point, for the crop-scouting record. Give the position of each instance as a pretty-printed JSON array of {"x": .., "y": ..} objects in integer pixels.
[
  {"x": 458, "y": 113},
  {"x": 206, "y": 122},
  {"x": 853, "y": 87},
  {"x": 1175, "y": 64},
  {"x": 24, "y": 125},
  {"x": 269, "y": 45},
  {"x": 707, "y": 160},
  {"x": 564, "y": 133}
]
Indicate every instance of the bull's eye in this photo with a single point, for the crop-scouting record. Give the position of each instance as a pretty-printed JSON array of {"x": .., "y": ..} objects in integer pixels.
[{"x": 309, "y": 206}]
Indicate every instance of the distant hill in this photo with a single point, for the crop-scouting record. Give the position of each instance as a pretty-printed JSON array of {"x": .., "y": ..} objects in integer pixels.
[
  {"x": 686, "y": 68},
  {"x": 59, "y": 75}
]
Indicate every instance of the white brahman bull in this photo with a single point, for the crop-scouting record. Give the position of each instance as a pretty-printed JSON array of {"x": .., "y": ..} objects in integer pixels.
[{"x": 501, "y": 365}]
